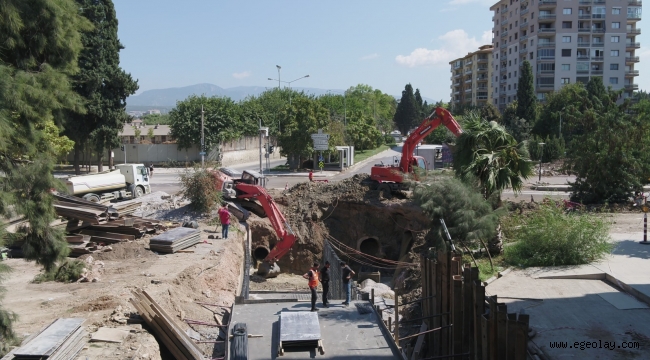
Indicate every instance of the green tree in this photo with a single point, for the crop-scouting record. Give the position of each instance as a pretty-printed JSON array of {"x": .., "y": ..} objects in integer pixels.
[
  {"x": 468, "y": 216},
  {"x": 363, "y": 132},
  {"x": 568, "y": 104},
  {"x": 526, "y": 99},
  {"x": 222, "y": 121},
  {"x": 608, "y": 152},
  {"x": 419, "y": 105},
  {"x": 40, "y": 44},
  {"x": 406, "y": 113},
  {"x": 490, "y": 112},
  {"x": 101, "y": 82},
  {"x": 156, "y": 119},
  {"x": 487, "y": 152},
  {"x": 303, "y": 118},
  {"x": 519, "y": 127}
]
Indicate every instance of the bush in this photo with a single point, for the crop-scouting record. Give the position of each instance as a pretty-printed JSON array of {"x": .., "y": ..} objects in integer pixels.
[
  {"x": 550, "y": 237},
  {"x": 68, "y": 271},
  {"x": 200, "y": 187},
  {"x": 389, "y": 140}
]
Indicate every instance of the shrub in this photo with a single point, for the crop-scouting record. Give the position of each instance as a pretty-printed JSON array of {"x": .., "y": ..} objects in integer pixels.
[
  {"x": 200, "y": 187},
  {"x": 389, "y": 140},
  {"x": 68, "y": 271},
  {"x": 553, "y": 149},
  {"x": 551, "y": 237}
]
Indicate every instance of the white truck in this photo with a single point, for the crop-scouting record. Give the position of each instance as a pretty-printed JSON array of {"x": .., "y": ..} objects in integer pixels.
[{"x": 129, "y": 181}]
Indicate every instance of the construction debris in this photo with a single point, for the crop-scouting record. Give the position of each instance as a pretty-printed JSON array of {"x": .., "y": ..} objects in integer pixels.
[
  {"x": 175, "y": 240},
  {"x": 113, "y": 335},
  {"x": 63, "y": 339},
  {"x": 172, "y": 336}
]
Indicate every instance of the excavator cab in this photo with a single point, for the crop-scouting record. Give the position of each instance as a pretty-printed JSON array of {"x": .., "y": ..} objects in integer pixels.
[{"x": 252, "y": 178}]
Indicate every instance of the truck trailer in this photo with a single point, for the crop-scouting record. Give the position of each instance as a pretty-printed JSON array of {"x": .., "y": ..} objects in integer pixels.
[{"x": 129, "y": 181}]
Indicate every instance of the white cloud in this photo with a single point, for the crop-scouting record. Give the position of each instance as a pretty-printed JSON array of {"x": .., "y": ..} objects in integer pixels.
[
  {"x": 455, "y": 43},
  {"x": 369, "y": 56},
  {"x": 241, "y": 75}
]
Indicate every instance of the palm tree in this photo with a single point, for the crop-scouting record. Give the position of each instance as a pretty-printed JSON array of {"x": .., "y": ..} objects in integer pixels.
[{"x": 487, "y": 152}]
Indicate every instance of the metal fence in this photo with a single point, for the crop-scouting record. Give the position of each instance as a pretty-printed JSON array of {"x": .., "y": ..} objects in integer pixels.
[{"x": 336, "y": 281}]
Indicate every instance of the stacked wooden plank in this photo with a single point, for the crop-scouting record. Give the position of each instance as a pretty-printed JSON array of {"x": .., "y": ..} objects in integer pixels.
[
  {"x": 164, "y": 326},
  {"x": 76, "y": 208},
  {"x": 126, "y": 207},
  {"x": 175, "y": 239},
  {"x": 106, "y": 237},
  {"x": 61, "y": 340}
]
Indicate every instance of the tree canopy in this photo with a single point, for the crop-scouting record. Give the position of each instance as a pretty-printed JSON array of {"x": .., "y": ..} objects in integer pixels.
[
  {"x": 526, "y": 99},
  {"x": 407, "y": 112}
]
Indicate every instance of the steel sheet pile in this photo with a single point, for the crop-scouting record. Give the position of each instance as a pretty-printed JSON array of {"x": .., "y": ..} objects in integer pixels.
[{"x": 175, "y": 239}]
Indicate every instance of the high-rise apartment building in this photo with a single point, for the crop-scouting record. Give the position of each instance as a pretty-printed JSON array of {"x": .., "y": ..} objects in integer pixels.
[
  {"x": 565, "y": 41},
  {"x": 470, "y": 78}
]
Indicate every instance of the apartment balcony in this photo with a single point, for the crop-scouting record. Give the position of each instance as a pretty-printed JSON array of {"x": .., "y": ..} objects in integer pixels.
[
  {"x": 457, "y": 75},
  {"x": 631, "y": 86},
  {"x": 597, "y": 44},
  {"x": 543, "y": 4},
  {"x": 523, "y": 51},
  {"x": 583, "y": 57},
  {"x": 634, "y": 16},
  {"x": 546, "y": 18},
  {"x": 598, "y": 16},
  {"x": 546, "y": 31},
  {"x": 598, "y": 2},
  {"x": 584, "y": 29},
  {"x": 584, "y": 16},
  {"x": 503, "y": 45},
  {"x": 503, "y": 81},
  {"x": 584, "y": 44},
  {"x": 598, "y": 30},
  {"x": 468, "y": 81},
  {"x": 634, "y": 31},
  {"x": 629, "y": 73},
  {"x": 545, "y": 87},
  {"x": 596, "y": 72},
  {"x": 547, "y": 44},
  {"x": 523, "y": 24},
  {"x": 482, "y": 70},
  {"x": 584, "y": 2},
  {"x": 456, "y": 92},
  {"x": 523, "y": 38},
  {"x": 482, "y": 97},
  {"x": 634, "y": 2},
  {"x": 546, "y": 58},
  {"x": 523, "y": 12},
  {"x": 581, "y": 71},
  {"x": 504, "y": 34},
  {"x": 504, "y": 21},
  {"x": 482, "y": 61},
  {"x": 468, "y": 71},
  {"x": 468, "y": 62},
  {"x": 633, "y": 59},
  {"x": 597, "y": 58},
  {"x": 468, "y": 90},
  {"x": 632, "y": 45}
]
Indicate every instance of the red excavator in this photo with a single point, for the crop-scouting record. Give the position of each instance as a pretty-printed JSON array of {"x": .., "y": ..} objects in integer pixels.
[
  {"x": 390, "y": 178},
  {"x": 249, "y": 193}
]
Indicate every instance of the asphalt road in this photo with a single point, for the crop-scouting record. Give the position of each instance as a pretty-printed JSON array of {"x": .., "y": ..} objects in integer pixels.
[{"x": 170, "y": 182}]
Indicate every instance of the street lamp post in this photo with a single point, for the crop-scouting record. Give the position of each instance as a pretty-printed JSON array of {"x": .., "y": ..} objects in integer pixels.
[
  {"x": 288, "y": 82},
  {"x": 560, "y": 134},
  {"x": 541, "y": 154},
  {"x": 279, "y": 67}
]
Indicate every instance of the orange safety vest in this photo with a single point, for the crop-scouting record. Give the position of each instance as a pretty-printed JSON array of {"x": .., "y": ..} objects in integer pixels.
[{"x": 313, "y": 280}]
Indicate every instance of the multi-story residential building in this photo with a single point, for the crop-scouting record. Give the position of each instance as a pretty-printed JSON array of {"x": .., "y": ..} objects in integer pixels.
[
  {"x": 471, "y": 78},
  {"x": 565, "y": 42}
]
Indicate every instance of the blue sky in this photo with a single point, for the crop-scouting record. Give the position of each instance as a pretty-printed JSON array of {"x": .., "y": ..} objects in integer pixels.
[{"x": 385, "y": 44}]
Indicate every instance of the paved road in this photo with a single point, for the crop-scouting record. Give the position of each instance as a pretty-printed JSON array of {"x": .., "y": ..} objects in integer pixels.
[{"x": 169, "y": 182}]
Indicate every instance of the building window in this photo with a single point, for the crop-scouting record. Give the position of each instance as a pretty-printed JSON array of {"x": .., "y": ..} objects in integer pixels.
[
  {"x": 613, "y": 80},
  {"x": 508, "y": 87},
  {"x": 616, "y": 39},
  {"x": 565, "y": 81},
  {"x": 515, "y": 48},
  {"x": 616, "y": 11},
  {"x": 566, "y": 11},
  {"x": 546, "y": 67},
  {"x": 532, "y": 28},
  {"x": 566, "y": 52},
  {"x": 616, "y": 25},
  {"x": 567, "y": 24},
  {"x": 566, "y": 67},
  {"x": 531, "y": 55},
  {"x": 509, "y": 62},
  {"x": 515, "y": 74},
  {"x": 510, "y": 51},
  {"x": 566, "y": 39},
  {"x": 613, "y": 53},
  {"x": 613, "y": 66}
]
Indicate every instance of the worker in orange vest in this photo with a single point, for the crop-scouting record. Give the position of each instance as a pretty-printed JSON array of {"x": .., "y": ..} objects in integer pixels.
[
  {"x": 311, "y": 175},
  {"x": 312, "y": 276}
]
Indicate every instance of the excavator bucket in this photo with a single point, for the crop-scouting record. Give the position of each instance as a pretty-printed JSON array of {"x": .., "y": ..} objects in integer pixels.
[
  {"x": 238, "y": 211},
  {"x": 268, "y": 270}
]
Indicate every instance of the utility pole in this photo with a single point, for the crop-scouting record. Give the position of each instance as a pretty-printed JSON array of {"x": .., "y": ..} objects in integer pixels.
[
  {"x": 202, "y": 141},
  {"x": 261, "y": 139},
  {"x": 541, "y": 154},
  {"x": 277, "y": 66}
]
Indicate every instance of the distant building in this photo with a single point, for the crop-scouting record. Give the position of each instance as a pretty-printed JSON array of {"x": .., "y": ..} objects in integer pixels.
[
  {"x": 565, "y": 42},
  {"x": 471, "y": 78},
  {"x": 161, "y": 134},
  {"x": 152, "y": 112}
]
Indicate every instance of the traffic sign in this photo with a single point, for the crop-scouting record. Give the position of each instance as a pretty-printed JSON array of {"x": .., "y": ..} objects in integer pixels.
[
  {"x": 202, "y": 153},
  {"x": 320, "y": 142},
  {"x": 321, "y": 164},
  {"x": 320, "y": 135},
  {"x": 321, "y": 147}
]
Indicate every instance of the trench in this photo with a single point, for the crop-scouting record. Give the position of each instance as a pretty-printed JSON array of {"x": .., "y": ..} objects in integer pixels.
[{"x": 385, "y": 232}]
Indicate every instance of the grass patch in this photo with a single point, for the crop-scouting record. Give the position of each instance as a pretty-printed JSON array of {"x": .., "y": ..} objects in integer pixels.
[
  {"x": 360, "y": 155},
  {"x": 485, "y": 270},
  {"x": 551, "y": 237},
  {"x": 68, "y": 271}
]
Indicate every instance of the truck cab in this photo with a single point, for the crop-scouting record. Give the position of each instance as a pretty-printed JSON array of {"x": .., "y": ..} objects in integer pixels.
[{"x": 136, "y": 174}]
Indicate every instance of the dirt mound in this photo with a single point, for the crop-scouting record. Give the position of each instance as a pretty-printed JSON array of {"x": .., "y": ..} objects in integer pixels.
[{"x": 104, "y": 302}]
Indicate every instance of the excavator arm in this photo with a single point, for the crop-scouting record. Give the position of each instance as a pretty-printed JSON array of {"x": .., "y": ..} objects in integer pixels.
[
  {"x": 438, "y": 116},
  {"x": 278, "y": 221}
]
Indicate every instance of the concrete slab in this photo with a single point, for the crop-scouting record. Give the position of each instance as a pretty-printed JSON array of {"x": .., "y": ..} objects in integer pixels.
[
  {"x": 623, "y": 301},
  {"x": 346, "y": 334},
  {"x": 572, "y": 314}
]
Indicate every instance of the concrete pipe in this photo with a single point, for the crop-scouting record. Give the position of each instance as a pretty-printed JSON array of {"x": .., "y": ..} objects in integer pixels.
[{"x": 261, "y": 252}]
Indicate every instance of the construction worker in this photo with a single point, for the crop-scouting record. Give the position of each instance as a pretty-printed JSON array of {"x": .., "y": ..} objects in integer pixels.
[
  {"x": 224, "y": 217},
  {"x": 346, "y": 274},
  {"x": 325, "y": 280},
  {"x": 151, "y": 170},
  {"x": 312, "y": 276},
  {"x": 311, "y": 175}
]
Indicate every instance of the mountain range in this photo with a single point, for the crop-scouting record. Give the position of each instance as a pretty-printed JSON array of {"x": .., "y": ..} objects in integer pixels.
[{"x": 169, "y": 97}]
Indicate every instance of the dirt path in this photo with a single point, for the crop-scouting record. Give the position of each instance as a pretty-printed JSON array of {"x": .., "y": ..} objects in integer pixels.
[{"x": 210, "y": 274}]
